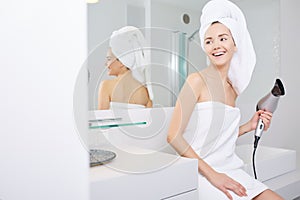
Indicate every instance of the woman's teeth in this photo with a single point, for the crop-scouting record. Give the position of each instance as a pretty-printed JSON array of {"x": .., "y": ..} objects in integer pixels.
[{"x": 218, "y": 54}]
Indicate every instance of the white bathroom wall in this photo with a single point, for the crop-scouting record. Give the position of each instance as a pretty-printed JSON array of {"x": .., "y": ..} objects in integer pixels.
[
  {"x": 169, "y": 16},
  {"x": 283, "y": 130},
  {"x": 43, "y": 46},
  {"x": 262, "y": 17}
]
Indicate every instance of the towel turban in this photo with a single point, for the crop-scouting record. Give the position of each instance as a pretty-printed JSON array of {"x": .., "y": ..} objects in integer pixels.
[
  {"x": 244, "y": 59},
  {"x": 128, "y": 45}
]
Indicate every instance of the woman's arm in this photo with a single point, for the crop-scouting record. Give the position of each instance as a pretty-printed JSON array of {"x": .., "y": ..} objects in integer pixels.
[
  {"x": 104, "y": 95},
  {"x": 184, "y": 107},
  {"x": 252, "y": 123},
  {"x": 149, "y": 104}
]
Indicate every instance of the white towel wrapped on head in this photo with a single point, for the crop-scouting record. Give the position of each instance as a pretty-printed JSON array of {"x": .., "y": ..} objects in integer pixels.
[
  {"x": 128, "y": 45},
  {"x": 244, "y": 59}
]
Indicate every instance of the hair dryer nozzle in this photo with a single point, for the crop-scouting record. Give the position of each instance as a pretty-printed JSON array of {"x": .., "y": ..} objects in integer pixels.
[
  {"x": 278, "y": 89},
  {"x": 270, "y": 101}
]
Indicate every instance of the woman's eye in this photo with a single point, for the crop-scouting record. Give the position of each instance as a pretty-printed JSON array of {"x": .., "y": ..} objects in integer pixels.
[
  {"x": 208, "y": 42},
  {"x": 223, "y": 39}
]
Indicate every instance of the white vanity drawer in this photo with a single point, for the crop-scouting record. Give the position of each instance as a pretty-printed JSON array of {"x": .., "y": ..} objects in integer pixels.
[{"x": 190, "y": 195}]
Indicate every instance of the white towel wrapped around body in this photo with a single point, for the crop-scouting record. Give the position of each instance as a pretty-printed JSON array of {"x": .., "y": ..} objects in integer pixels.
[
  {"x": 244, "y": 59},
  {"x": 212, "y": 132}
]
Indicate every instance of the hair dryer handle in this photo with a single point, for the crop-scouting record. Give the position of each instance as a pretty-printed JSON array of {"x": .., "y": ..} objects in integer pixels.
[
  {"x": 258, "y": 132},
  {"x": 259, "y": 128}
]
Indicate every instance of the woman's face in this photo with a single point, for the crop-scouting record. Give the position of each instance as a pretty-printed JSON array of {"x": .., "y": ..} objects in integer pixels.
[
  {"x": 219, "y": 45},
  {"x": 113, "y": 64}
]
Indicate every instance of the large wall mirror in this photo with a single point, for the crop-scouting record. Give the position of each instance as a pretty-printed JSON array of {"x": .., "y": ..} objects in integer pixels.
[{"x": 176, "y": 48}]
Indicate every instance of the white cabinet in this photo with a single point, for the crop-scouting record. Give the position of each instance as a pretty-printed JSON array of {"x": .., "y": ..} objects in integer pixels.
[
  {"x": 178, "y": 180},
  {"x": 142, "y": 169}
]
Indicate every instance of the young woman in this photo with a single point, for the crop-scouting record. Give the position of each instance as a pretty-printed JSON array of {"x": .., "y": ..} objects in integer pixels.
[
  {"x": 126, "y": 60},
  {"x": 209, "y": 96}
]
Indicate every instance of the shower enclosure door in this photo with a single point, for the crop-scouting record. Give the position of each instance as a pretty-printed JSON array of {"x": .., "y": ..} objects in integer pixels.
[{"x": 178, "y": 64}]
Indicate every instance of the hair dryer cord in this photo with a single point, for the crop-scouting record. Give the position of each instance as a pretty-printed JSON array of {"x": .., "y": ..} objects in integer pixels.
[
  {"x": 253, "y": 156},
  {"x": 253, "y": 162}
]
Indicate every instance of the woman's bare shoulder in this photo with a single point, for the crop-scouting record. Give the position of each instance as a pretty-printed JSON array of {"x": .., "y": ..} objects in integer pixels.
[
  {"x": 107, "y": 86},
  {"x": 195, "y": 79},
  {"x": 108, "y": 83}
]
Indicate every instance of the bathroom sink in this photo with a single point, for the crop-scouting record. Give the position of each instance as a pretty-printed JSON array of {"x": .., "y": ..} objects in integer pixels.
[{"x": 270, "y": 162}]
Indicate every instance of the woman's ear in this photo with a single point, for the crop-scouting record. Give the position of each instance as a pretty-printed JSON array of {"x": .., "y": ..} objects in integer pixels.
[{"x": 121, "y": 64}]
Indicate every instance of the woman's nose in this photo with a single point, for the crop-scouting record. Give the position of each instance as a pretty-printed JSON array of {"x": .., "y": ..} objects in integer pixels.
[
  {"x": 106, "y": 64},
  {"x": 216, "y": 45}
]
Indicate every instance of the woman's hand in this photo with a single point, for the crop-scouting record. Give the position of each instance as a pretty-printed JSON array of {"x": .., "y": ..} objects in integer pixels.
[
  {"x": 264, "y": 115},
  {"x": 225, "y": 183},
  {"x": 252, "y": 123}
]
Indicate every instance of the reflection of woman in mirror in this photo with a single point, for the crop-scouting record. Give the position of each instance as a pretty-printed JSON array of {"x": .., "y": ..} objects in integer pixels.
[
  {"x": 127, "y": 60},
  {"x": 210, "y": 96}
]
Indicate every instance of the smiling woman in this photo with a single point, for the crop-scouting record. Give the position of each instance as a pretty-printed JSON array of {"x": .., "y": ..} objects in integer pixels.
[{"x": 211, "y": 94}]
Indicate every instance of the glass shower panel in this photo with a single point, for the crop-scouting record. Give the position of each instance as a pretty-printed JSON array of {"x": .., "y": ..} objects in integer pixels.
[{"x": 178, "y": 64}]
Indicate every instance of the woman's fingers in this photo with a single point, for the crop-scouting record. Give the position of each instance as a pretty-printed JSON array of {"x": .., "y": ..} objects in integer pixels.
[
  {"x": 237, "y": 188},
  {"x": 225, "y": 191},
  {"x": 241, "y": 190},
  {"x": 266, "y": 118},
  {"x": 224, "y": 183},
  {"x": 266, "y": 115}
]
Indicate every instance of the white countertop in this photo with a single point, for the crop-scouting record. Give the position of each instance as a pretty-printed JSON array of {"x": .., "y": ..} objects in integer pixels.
[{"x": 149, "y": 175}]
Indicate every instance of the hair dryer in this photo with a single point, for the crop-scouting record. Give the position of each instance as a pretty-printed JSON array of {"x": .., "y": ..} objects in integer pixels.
[{"x": 268, "y": 103}]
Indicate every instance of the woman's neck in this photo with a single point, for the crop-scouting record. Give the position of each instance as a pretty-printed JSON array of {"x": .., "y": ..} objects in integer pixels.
[
  {"x": 222, "y": 71},
  {"x": 123, "y": 74}
]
